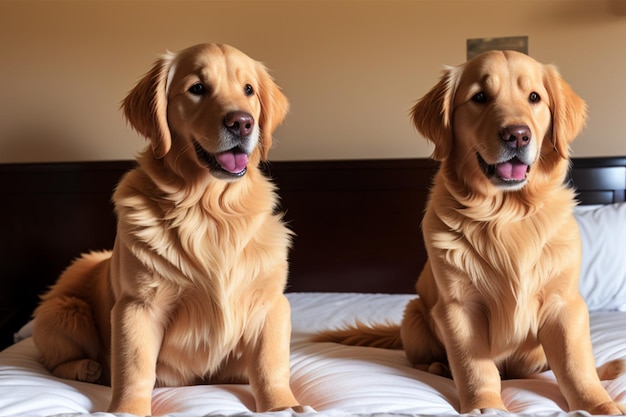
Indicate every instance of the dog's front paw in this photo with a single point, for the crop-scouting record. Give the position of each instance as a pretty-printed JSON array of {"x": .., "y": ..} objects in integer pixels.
[
  {"x": 611, "y": 408},
  {"x": 137, "y": 407}
]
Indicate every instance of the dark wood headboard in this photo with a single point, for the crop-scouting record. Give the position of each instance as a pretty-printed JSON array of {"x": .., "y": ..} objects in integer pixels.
[
  {"x": 357, "y": 222},
  {"x": 599, "y": 180}
]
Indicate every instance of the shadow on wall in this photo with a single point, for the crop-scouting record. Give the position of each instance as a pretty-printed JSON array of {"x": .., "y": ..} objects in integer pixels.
[
  {"x": 583, "y": 12},
  {"x": 618, "y": 7},
  {"x": 40, "y": 143}
]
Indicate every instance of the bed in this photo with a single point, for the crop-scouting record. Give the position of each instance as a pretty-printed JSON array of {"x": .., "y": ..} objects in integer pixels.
[{"x": 357, "y": 254}]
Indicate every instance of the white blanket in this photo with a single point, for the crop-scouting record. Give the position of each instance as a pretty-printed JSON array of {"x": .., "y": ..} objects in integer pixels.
[{"x": 334, "y": 380}]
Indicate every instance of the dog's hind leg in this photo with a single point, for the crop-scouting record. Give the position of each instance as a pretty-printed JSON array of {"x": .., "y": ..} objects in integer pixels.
[
  {"x": 66, "y": 336},
  {"x": 612, "y": 369},
  {"x": 85, "y": 370},
  {"x": 421, "y": 346}
]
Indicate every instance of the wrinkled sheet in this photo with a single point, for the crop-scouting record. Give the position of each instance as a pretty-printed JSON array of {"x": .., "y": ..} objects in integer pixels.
[{"x": 332, "y": 379}]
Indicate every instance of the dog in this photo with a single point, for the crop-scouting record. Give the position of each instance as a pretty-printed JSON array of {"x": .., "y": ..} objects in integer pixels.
[
  {"x": 499, "y": 295},
  {"x": 192, "y": 291}
]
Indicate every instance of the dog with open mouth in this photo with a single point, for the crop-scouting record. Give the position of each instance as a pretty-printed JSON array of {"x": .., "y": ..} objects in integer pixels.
[
  {"x": 192, "y": 291},
  {"x": 498, "y": 296}
]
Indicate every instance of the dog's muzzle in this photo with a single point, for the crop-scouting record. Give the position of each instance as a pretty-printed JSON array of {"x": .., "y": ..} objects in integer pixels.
[
  {"x": 511, "y": 172},
  {"x": 238, "y": 126}
]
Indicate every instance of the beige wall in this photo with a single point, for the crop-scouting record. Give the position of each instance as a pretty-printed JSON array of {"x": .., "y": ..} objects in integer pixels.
[{"x": 351, "y": 69}]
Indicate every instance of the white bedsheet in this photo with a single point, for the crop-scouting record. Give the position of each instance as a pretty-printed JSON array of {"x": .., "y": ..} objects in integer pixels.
[{"x": 334, "y": 380}]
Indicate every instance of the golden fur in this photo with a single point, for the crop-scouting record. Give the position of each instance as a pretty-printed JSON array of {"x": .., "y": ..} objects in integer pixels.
[
  {"x": 499, "y": 293},
  {"x": 192, "y": 291}
]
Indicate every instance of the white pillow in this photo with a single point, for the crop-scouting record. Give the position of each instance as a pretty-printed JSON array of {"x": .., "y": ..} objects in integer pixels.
[{"x": 603, "y": 272}]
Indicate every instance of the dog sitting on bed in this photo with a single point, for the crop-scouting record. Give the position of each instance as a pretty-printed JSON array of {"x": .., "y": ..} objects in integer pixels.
[
  {"x": 499, "y": 294},
  {"x": 192, "y": 291}
]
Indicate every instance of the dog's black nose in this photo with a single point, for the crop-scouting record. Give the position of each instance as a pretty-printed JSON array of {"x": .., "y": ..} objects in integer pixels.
[
  {"x": 516, "y": 136},
  {"x": 239, "y": 122}
]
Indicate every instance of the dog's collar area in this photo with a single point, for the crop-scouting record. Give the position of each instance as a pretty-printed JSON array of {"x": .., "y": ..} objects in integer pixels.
[
  {"x": 228, "y": 164},
  {"x": 511, "y": 173}
]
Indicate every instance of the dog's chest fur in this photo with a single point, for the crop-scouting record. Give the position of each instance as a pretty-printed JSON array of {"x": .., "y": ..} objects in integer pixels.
[
  {"x": 496, "y": 258},
  {"x": 215, "y": 302}
]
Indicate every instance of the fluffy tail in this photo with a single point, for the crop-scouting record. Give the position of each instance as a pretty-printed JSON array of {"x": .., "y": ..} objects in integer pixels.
[{"x": 385, "y": 336}]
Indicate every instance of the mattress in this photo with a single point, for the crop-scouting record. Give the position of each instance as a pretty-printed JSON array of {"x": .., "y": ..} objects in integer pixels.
[{"x": 332, "y": 379}]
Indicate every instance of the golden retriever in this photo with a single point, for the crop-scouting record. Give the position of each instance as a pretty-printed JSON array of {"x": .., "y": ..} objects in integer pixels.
[
  {"x": 192, "y": 291},
  {"x": 499, "y": 293}
]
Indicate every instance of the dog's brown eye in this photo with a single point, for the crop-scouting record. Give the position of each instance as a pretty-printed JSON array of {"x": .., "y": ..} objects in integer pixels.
[
  {"x": 248, "y": 90},
  {"x": 479, "y": 98},
  {"x": 534, "y": 97},
  {"x": 197, "y": 89}
]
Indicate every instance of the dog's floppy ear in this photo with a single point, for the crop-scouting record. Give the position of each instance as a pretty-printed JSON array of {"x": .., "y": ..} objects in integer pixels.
[
  {"x": 432, "y": 115},
  {"x": 569, "y": 111},
  {"x": 145, "y": 107},
  {"x": 274, "y": 108}
]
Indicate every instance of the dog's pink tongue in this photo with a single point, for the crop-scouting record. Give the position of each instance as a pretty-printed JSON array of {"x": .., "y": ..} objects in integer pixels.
[
  {"x": 233, "y": 162},
  {"x": 512, "y": 170}
]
